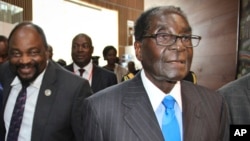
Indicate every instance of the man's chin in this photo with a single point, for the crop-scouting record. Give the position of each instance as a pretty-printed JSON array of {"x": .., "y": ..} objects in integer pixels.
[{"x": 26, "y": 79}]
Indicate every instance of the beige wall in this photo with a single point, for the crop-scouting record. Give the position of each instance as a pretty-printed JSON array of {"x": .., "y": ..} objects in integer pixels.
[
  {"x": 5, "y": 28},
  {"x": 216, "y": 21},
  {"x": 214, "y": 60},
  {"x": 65, "y": 23}
]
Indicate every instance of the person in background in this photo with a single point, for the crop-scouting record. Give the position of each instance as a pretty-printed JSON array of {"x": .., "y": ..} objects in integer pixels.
[
  {"x": 50, "y": 52},
  {"x": 191, "y": 76},
  {"x": 95, "y": 60},
  {"x": 51, "y": 97},
  {"x": 62, "y": 62},
  {"x": 3, "y": 49},
  {"x": 237, "y": 94},
  {"x": 131, "y": 71},
  {"x": 3, "y": 58},
  {"x": 109, "y": 54},
  {"x": 81, "y": 53},
  {"x": 135, "y": 110}
]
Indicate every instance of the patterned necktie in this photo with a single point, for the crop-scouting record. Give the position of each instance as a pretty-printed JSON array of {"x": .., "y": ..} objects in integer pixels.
[
  {"x": 17, "y": 115},
  {"x": 81, "y": 71},
  {"x": 170, "y": 126}
]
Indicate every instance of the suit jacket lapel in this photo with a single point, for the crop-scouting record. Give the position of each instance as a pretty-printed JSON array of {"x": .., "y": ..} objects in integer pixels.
[
  {"x": 44, "y": 102},
  {"x": 192, "y": 112},
  {"x": 141, "y": 117},
  {"x": 96, "y": 78}
]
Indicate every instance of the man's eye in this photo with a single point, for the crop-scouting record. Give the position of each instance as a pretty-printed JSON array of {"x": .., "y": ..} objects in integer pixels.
[
  {"x": 75, "y": 46},
  {"x": 186, "y": 38},
  {"x": 34, "y": 52},
  {"x": 16, "y": 54},
  {"x": 86, "y": 46},
  {"x": 164, "y": 37}
]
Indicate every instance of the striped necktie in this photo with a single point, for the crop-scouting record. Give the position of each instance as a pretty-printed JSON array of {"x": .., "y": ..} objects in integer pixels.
[{"x": 17, "y": 115}]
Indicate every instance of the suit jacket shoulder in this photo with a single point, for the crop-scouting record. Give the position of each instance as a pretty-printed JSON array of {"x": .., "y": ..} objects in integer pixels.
[
  {"x": 237, "y": 95},
  {"x": 70, "y": 67},
  {"x": 242, "y": 83},
  {"x": 67, "y": 94},
  {"x": 205, "y": 113},
  {"x": 102, "y": 79},
  {"x": 126, "y": 111}
]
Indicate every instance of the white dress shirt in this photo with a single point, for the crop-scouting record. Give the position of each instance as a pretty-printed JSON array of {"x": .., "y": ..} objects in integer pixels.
[
  {"x": 87, "y": 74},
  {"x": 156, "y": 96},
  {"x": 29, "y": 110}
]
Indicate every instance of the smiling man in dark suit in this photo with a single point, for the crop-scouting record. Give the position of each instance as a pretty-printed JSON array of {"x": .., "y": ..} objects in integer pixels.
[
  {"x": 81, "y": 52},
  {"x": 53, "y": 104},
  {"x": 135, "y": 109}
]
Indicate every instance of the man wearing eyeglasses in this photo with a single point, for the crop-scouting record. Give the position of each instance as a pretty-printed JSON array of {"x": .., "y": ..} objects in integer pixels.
[{"x": 140, "y": 109}]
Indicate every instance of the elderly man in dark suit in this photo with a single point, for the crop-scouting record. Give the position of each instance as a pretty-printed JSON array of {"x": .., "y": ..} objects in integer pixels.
[
  {"x": 82, "y": 49},
  {"x": 135, "y": 110},
  {"x": 237, "y": 95},
  {"x": 49, "y": 105}
]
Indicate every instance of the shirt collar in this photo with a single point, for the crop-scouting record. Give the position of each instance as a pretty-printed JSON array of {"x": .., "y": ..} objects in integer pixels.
[
  {"x": 88, "y": 68},
  {"x": 156, "y": 95}
]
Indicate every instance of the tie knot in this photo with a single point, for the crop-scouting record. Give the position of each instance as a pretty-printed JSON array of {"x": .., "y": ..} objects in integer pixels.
[
  {"x": 168, "y": 102},
  {"x": 25, "y": 85},
  {"x": 81, "y": 71}
]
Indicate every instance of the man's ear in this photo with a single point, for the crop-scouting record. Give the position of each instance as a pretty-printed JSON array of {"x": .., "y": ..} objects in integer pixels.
[
  {"x": 137, "y": 46},
  {"x": 92, "y": 49},
  {"x": 47, "y": 53}
]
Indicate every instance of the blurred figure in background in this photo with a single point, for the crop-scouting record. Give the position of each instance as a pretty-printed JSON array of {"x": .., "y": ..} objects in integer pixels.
[
  {"x": 50, "y": 52},
  {"x": 3, "y": 49},
  {"x": 132, "y": 71},
  {"x": 109, "y": 54},
  {"x": 62, "y": 62},
  {"x": 81, "y": 53},
  {"x": 95, "y": 60},
  {"x": 191, "y": 76},
  {"x": 3, "y": 58}
]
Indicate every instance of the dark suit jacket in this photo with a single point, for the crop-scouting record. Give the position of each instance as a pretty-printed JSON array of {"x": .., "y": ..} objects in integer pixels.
[
  {"x": 237, "y": 95},
  {"x": 1, "y": 98},
  {"x": 124, "y": 113},
  {"x": 58, "y": 116},
  {"x": 1, "y": 95},
  {"x": 101, "y": 78}
]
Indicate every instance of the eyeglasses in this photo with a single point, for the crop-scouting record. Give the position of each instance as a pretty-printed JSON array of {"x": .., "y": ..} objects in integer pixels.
[{"x": 165, "y": 39}]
